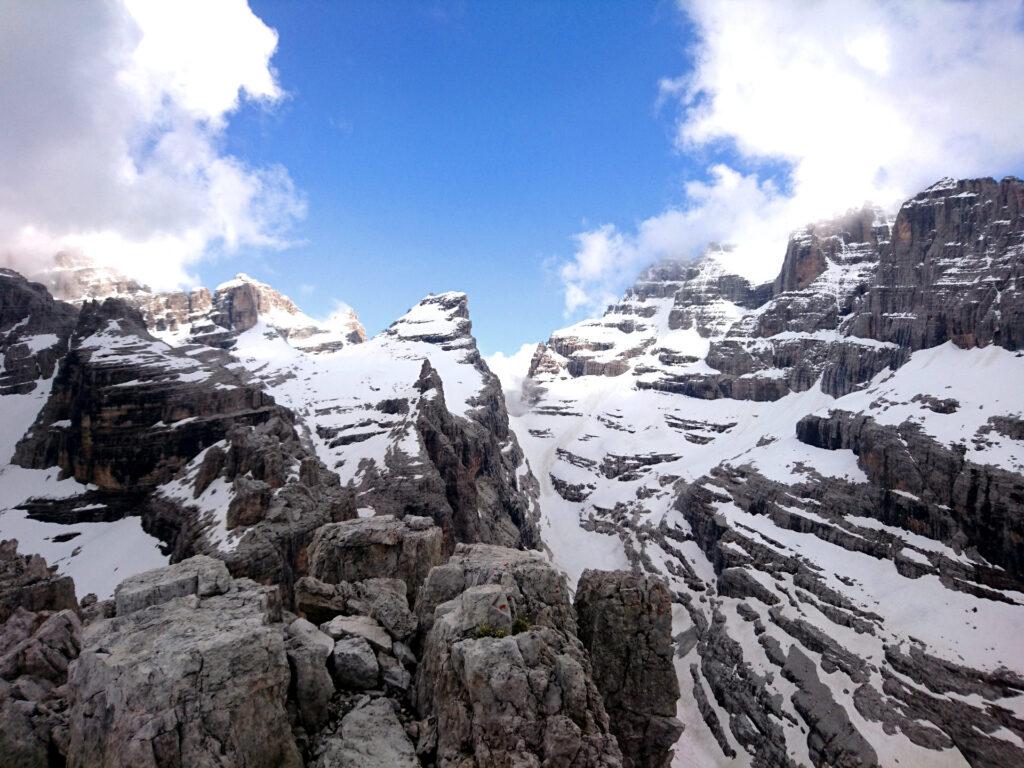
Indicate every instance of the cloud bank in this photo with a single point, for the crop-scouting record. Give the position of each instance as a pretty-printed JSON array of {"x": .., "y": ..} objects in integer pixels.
[
  {"x": 114, "y": 120},
  {"x": 858, "y": 101}
]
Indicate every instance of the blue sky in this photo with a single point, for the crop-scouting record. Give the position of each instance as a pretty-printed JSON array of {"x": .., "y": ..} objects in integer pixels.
[
  {"x": 536, "y": 155},
  {"x": 460, "y": 147}
]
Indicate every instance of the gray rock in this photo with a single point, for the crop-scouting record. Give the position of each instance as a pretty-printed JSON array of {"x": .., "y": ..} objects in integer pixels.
[
  {"x": 832, "y": 740},
  {"x": 538, "y": 592},
  {"x": 370, "y": 736},
  {"x": 27, "y": 582},
  {"x": 185, "y": 682},
  {"x": 358, "y": 626},
  {"x": 374, "y": 547},
  {"x": 625, "y": 622},
  {"x": 47, "y": 652},
  {"x": 200, "y": 575},
  {"x": 498, "y": 696},
  {"x": 386, "y": 601},
  {"x": 308, "y": 650},
  {"x": 354, "y": 664}
]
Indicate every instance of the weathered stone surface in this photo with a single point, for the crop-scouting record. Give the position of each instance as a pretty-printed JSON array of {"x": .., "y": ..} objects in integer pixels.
[
  {"x": 465, "y": 477},
  {"x": 518, "y": 691},
  {"x": 308, "y": 650},
  {"x": 354, "y": 663},
  {"x": 190, "y": 681},
  {"x": 27, "y": 582},
  {"x": 373, "y": 547},
  {"x": 833, "y": 741},
  {"x": 954, "y": 269},
  {"x": 40, "y": 636},
  {"x": 358, "y": 626},
  {"x": 319, "y": 601},
  {"x": 959, "y": 501},
  {"x": 625, "y": 623},
  {"x": 44, "y": 654},
  {"x": 537, "y": 590},
  {"x": 370, "y": 736},
  {"x": 114, "y": 385},
  {"x": 200, "y": 575}
]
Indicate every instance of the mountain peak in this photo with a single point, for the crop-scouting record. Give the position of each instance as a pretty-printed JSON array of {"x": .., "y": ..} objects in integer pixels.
[{"x": 441, "y": 318}]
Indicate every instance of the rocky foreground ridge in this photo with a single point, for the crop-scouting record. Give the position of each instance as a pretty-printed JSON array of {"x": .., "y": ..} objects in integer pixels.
[
  {"x": 187, "y": 665},
  {"x": 729, "y": 524}
]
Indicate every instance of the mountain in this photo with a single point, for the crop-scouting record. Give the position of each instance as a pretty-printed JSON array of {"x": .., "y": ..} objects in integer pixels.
[
  {"x": 829, "y": 472},
  {"x": 790, "y": 516}
]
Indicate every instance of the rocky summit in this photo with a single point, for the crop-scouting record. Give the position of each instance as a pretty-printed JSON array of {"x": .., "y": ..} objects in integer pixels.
[{"x": 723, "y": 524}]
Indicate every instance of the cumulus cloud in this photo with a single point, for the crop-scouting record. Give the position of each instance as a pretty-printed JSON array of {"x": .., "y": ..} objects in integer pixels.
[
  {"x": 114, "y": 116},
  {"x": 511, "y": 371},
  {"x": 858, "y": 101}
]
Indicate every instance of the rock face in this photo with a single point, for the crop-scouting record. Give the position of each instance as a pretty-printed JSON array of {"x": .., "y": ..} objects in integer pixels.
[
  {"x": 625, "y": 623},
  {"x": 366, "y": 548},
  {"x": 34, "y": 333},
  {"x": 40, "y": 634},
  {"x": 809, "y": 464},
  {"x": 930, "y": 487},
  {"x": 953, "y": 270},
  {"x": 186, "y": 681},
  {"x": 26, "y": 582},
  {"x": 201, "y": 576},
  {"x": 131, "y": 410},
  {"x": 504, "y": 680},
  {"x": 370, "y": 737}
]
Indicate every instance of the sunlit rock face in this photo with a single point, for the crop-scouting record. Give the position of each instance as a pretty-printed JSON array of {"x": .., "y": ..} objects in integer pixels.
[{"x": 829, "y": 471}]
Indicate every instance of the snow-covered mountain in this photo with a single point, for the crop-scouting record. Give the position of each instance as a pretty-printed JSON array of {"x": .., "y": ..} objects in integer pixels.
[
  {"x": 819, "y": 480},
  {"x": 828, "y": 470}
]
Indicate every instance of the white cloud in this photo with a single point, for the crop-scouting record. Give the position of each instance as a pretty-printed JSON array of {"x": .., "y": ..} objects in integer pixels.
[
  {"x": 511, "y": 371},
  {"x": 864, "y": 100},
  {"x": 114, "y": 116}
]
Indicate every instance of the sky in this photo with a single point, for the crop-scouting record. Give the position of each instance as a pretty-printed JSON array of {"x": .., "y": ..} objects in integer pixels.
[{"x": 535, "y": 155}]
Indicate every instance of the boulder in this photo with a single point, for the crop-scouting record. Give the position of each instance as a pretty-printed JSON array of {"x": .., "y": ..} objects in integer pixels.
[
  {"x": 200, "y": 575},
  {"x": 358, "y": 626},
  {"x": 308, "y": 650},
  {"x": 354, "y": 664},
  {"x": 373, "y": 547},
  {"x": 186, "y": 681},
  {"x": 370, "y": 736},
  {"x": 382, "y": 599}
]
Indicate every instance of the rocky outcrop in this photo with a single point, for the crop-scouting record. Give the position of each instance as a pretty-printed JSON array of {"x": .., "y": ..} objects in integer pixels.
[
  {"x": 504, "y": 680},
  {"x": 625, "y": 623},
  {"x": 476, "y": 461},
  {"x": 27, "y": 582},
  {"x": 383, "y": 599},
  {"x": 370, "y": 736},
  {"x": 201, "y": 576},
  {"x": 930, "y": 488},
  {"x": 191, "y": 680},
  {"x": 239, "y": 304},
  {"x": 372, "y": 547},
  {"x": 253, "y": 499},
  {"x": 34, "y": 333},
  {"x": 40, "y": 635}
]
